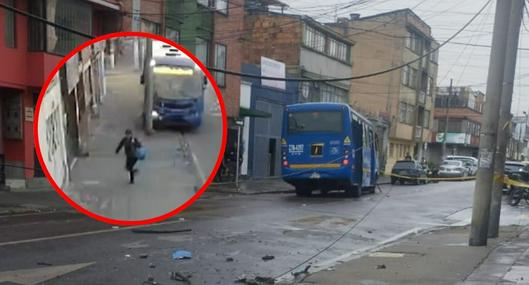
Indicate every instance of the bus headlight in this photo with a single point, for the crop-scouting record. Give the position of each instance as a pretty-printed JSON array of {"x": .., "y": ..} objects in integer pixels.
[
  {"x": 152, "y": 62},
  {"x": 155, "y": 114}
]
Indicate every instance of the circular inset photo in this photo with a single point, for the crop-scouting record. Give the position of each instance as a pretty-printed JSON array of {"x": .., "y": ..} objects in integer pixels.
[{"x": 130, "y": 128}]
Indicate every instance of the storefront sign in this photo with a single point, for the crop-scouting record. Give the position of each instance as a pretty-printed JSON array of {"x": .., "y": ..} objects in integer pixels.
[
  {"x": 453, "y": 138},
  {"x": 272, "y": 68}
]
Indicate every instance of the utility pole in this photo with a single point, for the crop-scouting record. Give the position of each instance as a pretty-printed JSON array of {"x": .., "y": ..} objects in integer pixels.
[
  {"x": 149, "y": 88},
  {"x": 487, "y": 144},
  {"x": 443, "y": 152},
  {"x": 505, "y": 115}
]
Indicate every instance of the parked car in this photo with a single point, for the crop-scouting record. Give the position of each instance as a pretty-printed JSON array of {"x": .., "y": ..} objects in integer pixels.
[
  {"x": 411, "y": 169},
  {"x": 453, "y": 168},
  {"x": 470, "y": 162}
]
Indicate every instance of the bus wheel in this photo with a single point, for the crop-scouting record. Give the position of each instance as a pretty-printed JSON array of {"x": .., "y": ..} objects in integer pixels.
[{"x": 353, "y": 191}]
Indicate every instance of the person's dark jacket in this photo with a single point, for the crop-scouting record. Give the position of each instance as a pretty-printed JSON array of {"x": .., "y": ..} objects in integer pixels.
[{"x": 130, "y": 145}]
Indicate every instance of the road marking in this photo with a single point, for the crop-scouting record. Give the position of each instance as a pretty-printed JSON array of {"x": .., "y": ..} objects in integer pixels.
[
  {"x": 84, "y": 234},
  {"x": 34, "y": 276}
]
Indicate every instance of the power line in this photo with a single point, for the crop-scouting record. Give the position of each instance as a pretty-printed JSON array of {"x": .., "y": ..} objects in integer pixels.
[{"x": 229, "y": 72}]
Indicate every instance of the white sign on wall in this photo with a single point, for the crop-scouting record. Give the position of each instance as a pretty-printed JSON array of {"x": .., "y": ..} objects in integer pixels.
[{"x": 272, "y": 68}]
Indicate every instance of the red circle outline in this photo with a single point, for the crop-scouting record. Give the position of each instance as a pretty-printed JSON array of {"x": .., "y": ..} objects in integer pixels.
[{"x": 160, "y": 218}]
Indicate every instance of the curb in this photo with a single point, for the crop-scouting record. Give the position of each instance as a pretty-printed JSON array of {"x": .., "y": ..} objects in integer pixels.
[{"x": 250, "y": 193}]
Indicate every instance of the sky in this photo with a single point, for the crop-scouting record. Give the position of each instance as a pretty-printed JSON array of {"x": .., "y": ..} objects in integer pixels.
[{"x": 466, "y": 65}]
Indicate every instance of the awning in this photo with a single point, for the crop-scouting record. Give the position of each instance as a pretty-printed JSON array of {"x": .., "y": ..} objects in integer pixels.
[{"x": 245, "y": 112}]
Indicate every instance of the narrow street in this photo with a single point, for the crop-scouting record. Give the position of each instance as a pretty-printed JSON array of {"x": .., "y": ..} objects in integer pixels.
[
  {"x": 230, "y": 234},
  {"x": 165, "y": 179}
]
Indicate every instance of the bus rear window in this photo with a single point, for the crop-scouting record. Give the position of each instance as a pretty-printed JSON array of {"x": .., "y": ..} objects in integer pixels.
[{"x": 315, "y": 121}]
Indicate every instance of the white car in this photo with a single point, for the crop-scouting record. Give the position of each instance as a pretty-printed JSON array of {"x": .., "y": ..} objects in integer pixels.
[
  {"x": 469, "y": 162},
  {"x": 453, "y": 168}
]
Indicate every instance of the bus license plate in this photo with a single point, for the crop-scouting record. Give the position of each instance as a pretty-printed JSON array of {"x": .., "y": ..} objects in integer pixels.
[{"x": 315, "y": 175}]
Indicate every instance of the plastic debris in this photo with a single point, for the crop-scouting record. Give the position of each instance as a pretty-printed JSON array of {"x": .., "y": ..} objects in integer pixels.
[
  {"x": 44, "y": 264},
  {"x": 144, "y": 255},
  {"x": 151, "y": 265},
  {"x": 127, "y": 255},
  {"x": 268, "y": 257},
  {"x": 304, "y": 271},
  {"x": 229, "y": 259},
  {"x": 381, "y": 266},
  {"x": 181, "y": 254},
  {"x": 115, "y": 227}
]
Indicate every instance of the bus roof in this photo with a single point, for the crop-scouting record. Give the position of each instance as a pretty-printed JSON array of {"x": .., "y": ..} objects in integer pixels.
[{"x": 325, "y": 106}]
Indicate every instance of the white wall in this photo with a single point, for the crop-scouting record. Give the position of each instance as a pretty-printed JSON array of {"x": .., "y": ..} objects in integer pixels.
[{"x": 51, "y": 128}]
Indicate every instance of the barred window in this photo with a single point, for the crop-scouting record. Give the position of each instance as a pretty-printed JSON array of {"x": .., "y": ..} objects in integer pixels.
[
  {"x": 9, "y": 25},
  {"x": 220, "y": 63}
]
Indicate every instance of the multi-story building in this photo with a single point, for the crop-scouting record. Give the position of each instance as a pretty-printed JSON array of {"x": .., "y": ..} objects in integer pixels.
[
  {"x": 402, "y": 98},
  {"x": 458, "y": 113},
  {"x": 31, "y": 49},
  {"x": 257, "y": 37}
]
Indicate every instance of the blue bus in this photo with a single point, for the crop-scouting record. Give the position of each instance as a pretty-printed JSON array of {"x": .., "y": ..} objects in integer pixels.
[
  {"x": 179, "y": 86},
  {"x": 328, "y": 146}
]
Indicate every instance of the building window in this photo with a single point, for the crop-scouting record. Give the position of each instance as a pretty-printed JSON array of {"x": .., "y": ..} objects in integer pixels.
[
  {"x": 74, "y": 14},
  {"x": 409, "y": 76},
  {"x": 410, "y": 114},
  {"x": 172, "y": 34},
  {"x": 414, "y": 42},
  {"x": 220, "y": 63},
  {"x": 202, "y": 50},
  {"x": 314, "y": 39},
  {"x": 337, "y": 50},
  {"x": 10, "y": 26},
  {"x": 221, "y": 6},
  {"x": 402, "y": 112},
  {"x": 434, "y": 56},
  {"x": 426, "y": 119},
  {"x": 36, "y": 28}
]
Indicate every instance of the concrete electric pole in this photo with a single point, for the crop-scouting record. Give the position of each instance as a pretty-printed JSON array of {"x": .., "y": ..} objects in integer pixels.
[
  {"x": 149, "y": 87},
  {"x": 487, "y": 144},
  {"x": 505, "y": 115}
]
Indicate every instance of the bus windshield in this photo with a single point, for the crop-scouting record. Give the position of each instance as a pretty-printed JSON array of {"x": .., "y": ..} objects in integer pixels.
[
  {"x": 315, "y": 121},
  {"x": 176, "y": 82}
]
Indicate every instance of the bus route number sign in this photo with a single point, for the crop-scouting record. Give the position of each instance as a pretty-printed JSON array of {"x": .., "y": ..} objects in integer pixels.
[{"x": 295, "y": 149}]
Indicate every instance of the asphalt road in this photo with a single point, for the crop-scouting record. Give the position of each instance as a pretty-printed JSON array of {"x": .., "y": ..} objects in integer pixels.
[{"x": 225, "y": 227}]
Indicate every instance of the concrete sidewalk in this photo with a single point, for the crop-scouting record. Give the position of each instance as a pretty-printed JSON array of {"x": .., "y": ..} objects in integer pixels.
[
  {"x": 12, "y": 203},
  {"x": 439, "y": 257},
  {"x": 263, "y": 186}
]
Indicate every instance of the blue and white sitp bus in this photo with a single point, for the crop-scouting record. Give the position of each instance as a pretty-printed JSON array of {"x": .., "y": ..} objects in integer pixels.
[
  {"x": 179, "y": 86},
  {"x": 328, "y": 146}
]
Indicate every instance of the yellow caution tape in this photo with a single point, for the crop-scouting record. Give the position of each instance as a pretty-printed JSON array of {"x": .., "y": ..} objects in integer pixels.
[{"x": 506, "y": 180}]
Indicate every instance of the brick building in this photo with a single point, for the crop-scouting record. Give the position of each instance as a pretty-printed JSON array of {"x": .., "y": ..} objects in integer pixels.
[
  {"x": 32, "y": 49},
  {"x": 402, "y": 98},
  {"x": 464, "y": 112}
]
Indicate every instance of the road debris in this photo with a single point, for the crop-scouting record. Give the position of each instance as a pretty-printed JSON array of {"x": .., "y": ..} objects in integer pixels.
[
  {"x": 258, "y": 280},
  {"x": 153, "y": 231},
  {"x": 127, "y": 255},
  {"x": 44, "y": 264},
  {"x": 381, "y": 266},
  {"x": 115, "y": 227},
  {"x": 181, "y": 254},
  {"x": 150, "y": 281},
  {"x": 144, "y": 255},
  {"x": 179, "y": 277},
  {"x": 304, "y": 271},
  {"x": 229, "y": 259},
  {"x": 151, "y": 265},
  {"x": 268, "y": 257}
]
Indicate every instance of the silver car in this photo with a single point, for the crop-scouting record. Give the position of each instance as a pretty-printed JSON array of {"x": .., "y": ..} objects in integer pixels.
[
  {"x": 471, "y": 163},
  {"x": 453, "y": 168}
]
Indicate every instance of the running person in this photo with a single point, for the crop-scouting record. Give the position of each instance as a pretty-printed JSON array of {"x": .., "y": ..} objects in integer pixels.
[{"x": 131, "y": 144}]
